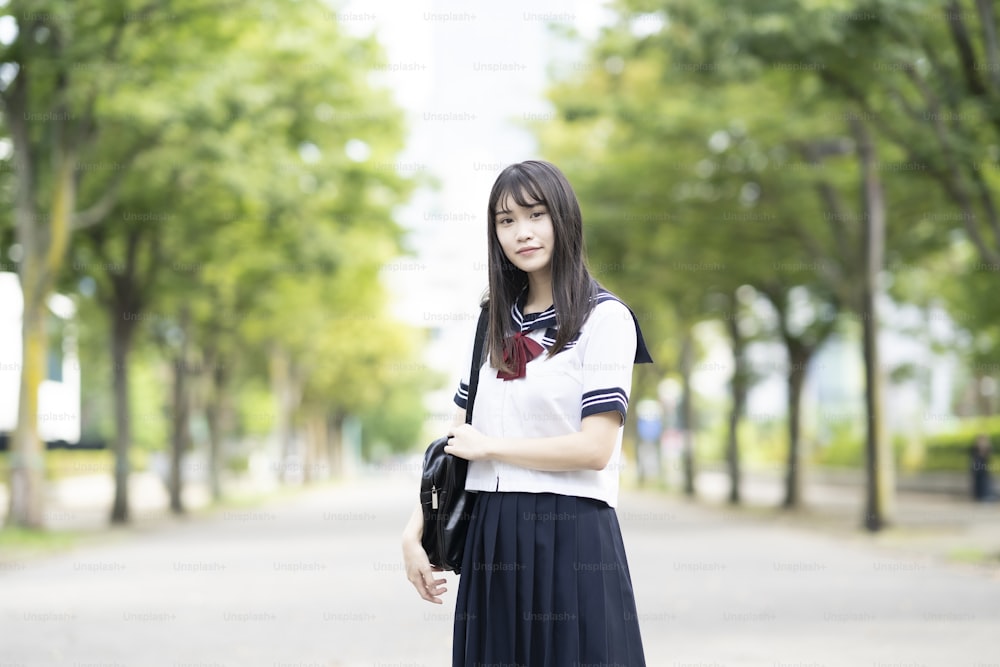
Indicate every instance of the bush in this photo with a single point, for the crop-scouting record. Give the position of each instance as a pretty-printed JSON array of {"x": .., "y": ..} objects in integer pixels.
[
  {"x": 847, "y": 450},
  {"x": 62, "y": 463},
  {"x": 950, "y": 451}
]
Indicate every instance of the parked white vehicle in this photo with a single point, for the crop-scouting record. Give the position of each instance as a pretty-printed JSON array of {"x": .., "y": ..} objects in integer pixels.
[{"x": 59, "y": 393}]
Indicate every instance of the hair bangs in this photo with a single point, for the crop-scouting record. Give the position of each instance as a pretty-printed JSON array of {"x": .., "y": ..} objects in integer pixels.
[{"x": 518, "y": 185}]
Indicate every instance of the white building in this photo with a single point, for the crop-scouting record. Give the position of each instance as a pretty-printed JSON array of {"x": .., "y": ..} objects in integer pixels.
[{"x": 59, "y": 393}]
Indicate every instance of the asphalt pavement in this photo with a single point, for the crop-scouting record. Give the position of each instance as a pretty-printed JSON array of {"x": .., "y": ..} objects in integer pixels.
[{"x": 317, "y": 580}]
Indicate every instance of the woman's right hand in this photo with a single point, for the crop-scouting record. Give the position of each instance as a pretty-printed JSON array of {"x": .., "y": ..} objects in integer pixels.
[{"x": 419, "y": 570}]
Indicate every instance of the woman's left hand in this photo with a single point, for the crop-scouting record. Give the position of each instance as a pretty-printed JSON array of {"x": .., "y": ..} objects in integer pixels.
[{"x": 466, "y": 442}]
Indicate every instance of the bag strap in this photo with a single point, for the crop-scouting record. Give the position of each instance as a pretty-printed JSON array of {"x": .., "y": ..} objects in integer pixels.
[{"x": 477, "y": 361}]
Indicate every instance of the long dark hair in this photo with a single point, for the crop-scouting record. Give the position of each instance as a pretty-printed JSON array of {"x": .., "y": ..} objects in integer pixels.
[{"x": 530, "y": 183}]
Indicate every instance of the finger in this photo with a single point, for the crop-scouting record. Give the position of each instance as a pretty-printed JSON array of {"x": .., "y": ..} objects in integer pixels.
[
  {"x": 434, "y": 587},
  {"x": 431, "y": 595},
  {"x": 424, "y": 593},
  {"x": 421, "y": 586},
  {"x": 430, "y": 582}
]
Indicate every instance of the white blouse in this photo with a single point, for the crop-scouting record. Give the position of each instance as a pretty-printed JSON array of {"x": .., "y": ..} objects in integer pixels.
[{"x": 592, "y": 374}]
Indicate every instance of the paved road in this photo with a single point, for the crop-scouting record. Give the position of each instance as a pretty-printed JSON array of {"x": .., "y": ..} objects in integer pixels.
[{"x": 317, "y": 581}]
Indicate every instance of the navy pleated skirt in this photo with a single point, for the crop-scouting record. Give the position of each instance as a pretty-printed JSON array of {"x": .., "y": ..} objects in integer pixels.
[{"x": 545, "y": 583}]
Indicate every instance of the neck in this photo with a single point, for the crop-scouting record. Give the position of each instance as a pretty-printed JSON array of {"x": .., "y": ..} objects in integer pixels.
[{"x": 539, "y": 292}]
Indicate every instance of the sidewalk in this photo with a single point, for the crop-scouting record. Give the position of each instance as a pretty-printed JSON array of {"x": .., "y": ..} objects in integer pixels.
[
  {"x": 934, "y": 525},
  {"x": 317, "y": 579},
  {"x": 937, "y": 526},
  {"x": 80, "y": 506}
]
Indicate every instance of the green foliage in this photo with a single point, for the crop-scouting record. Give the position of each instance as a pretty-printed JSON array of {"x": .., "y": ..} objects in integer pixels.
[
  {"x": 762, "y": 444},
  {"x": 60, "y": 464},
  {"x": 395, "y": 424},
  {"x": 250, "y": 191},
  {"x": 950, "y": 451},
  {"x": 149, "y": 388},
  {"x": 63, "y": 463},
  {"x": 942, "y": 452},
  {"x": 256, "y": 411},
  {"x": 713, "y": 146},
  {"x": 844, "y": 449},
  {"x": 25, "y": 542}
]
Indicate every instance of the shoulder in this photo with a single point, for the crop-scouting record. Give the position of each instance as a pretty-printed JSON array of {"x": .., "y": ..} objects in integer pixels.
[
  {"x": 609, "y": 320},
  {"x": 613, "y": 315},
  {"x": 608, "y": 305}
]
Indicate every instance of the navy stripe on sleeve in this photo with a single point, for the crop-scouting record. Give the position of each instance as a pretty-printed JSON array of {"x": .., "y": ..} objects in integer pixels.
[
  {"x": 613, "y": 399},
  {"x": 462, "y": 395}
]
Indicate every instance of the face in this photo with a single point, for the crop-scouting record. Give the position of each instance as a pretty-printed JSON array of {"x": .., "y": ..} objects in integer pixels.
[{"x": 525, "y": 234}]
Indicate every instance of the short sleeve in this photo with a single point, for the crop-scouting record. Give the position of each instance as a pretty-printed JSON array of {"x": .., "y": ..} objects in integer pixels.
[{"x": 608, "y": 358}]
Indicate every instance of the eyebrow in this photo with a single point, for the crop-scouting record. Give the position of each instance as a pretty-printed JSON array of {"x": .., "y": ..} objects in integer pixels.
[{"x": 529, "y": 206}]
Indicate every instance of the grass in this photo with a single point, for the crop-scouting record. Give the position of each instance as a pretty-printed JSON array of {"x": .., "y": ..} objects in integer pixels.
[
  {"x": 30, "y": 538},
  {"x": 62, "y": 463},
  {"x": 17, "y": 543},
  {"x": 974, "y": 556}
]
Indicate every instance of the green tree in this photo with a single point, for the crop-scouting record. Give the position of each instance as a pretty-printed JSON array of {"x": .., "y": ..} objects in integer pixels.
[
  {"x": 717, "y": 149},
  {"x": 258, "y": 130},
  {"x": 57, "y": 69}
]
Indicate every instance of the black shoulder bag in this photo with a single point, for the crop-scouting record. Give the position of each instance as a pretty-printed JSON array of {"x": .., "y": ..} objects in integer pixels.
[{"x": 446, "y": 505}]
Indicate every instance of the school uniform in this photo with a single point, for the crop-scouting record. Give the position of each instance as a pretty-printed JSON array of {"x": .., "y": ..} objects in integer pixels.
[{"x": 545, "y": 580}]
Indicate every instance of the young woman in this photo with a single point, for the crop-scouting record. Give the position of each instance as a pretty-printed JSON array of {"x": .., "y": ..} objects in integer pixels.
[{"x": 545, "y": 581}]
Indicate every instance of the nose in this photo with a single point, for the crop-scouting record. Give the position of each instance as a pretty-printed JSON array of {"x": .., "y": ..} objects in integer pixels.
[{"x": 523, "y": 230}]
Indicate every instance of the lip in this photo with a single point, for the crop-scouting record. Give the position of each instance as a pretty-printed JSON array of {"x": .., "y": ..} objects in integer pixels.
[{"x": 527, "y": 251}]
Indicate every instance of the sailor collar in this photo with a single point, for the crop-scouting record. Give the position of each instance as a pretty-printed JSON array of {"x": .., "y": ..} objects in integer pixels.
[
  {"x": 548, "y": 320},
  {"x": 531, "y": 321}
]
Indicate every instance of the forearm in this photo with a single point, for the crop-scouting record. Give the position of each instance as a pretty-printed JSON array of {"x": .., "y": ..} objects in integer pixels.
[
  {"x": 588, "y": 449},
  {"x": 573, "y": 451},
  {"x": 415, "y": 526}
]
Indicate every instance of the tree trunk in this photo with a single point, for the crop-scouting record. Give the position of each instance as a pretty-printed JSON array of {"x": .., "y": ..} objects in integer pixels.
[
  {"x": 213, "y": 417},
  {"x": 308, "y": 450},
  {"x": 878, "y": 461},
  {"x": 178, "y": 435},
  {"x": 738, "y": 391},
  {"x": 44, "y": 244},
  {"x": 286, "y": 397},
  {"x": 180, "y": 427},
  {"x": 798, "y": 359},
  {"x": 687, "y": 412},
  {"x": 317, "y": 466},
  {"x": 27, "y": 461},
  {"x": 122, "y": 328},
  {"x": 335, "y": 445}
]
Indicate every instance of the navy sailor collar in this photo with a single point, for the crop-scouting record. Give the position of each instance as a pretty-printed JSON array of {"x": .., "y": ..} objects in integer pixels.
[
  {"x": 548, "y": 320},
  {"x": 525, "y": 323}
]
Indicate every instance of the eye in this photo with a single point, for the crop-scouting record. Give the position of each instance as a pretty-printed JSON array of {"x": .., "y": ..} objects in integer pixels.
[
  {"x": 504, "y": 221},
  {"x": 538, "y": 214}
]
